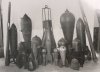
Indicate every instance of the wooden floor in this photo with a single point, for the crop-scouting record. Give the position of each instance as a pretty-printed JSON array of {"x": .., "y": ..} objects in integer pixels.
[{"x": 88, "y": 67}]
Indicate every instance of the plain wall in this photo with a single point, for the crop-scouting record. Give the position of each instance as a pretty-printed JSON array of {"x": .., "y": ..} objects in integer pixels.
[{"x": 33, "y": 8}]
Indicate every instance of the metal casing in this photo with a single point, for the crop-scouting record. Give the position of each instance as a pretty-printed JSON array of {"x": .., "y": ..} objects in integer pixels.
[
  {"x": 67, "y": 21},
  {"x": 80, "y": 29},
  {"x": 13, "y": 40},
  {"x": 95, "y": 38},
  {"x": 26, "y": 28},
  {"x": 48, "y": 38}
]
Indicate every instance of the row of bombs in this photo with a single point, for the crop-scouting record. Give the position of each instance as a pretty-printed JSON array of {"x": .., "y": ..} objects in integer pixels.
[
  {"x": 32, "y": 53},
  {"x": 60, "y": 56}
]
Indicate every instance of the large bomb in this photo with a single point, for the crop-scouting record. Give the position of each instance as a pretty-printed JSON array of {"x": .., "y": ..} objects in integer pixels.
[
  {"x": 67, "y": 21},
  {"x": 26, "y": 28},
  {"x": 13, "y": 40},
  {"x": 80, "y": 29}
]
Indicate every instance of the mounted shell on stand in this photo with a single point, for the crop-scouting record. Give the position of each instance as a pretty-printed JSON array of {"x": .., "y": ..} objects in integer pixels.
[{"x": 48, "y": 41}]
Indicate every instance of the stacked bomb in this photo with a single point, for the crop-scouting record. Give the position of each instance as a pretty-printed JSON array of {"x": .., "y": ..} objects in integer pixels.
[
  {"x": 30, "y": 52},
  {"x": 25, "y": 47}
]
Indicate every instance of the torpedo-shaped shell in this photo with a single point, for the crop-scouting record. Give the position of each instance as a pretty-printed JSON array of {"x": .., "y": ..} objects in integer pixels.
[
  {"x": 13, "y": 39},
  {"x": 80, "y": 29}
]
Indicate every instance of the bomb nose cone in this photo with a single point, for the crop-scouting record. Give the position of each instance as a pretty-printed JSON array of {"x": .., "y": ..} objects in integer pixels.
[
  {"x": 13, "y": 26},
  {"x": 36, "y": 36},
  {"x": 66, "y": 11},
  {"x": 26, "y": 17}
]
